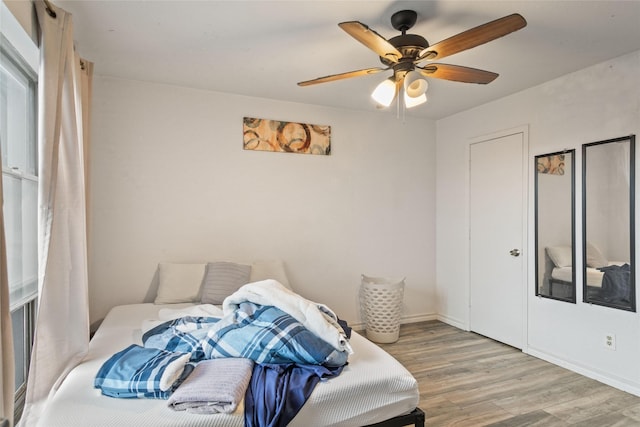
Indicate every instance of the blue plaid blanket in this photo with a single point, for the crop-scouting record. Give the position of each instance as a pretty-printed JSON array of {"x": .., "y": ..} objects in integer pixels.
[
  {"x": 142, "y": 372},
  {"x": 267, "y": 334},
  {"x": 264, "y": 334},
  {"x": 182, "y": 335}
]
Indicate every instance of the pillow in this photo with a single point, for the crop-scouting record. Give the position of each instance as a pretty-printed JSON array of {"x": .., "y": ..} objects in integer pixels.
[
  {"x": 269, "y": 269},
  {"x": 595, "y": 259},
  {"x": 222, "y": 279},
  {"x": 179, "y": 282},
  {"x": 560, "y": 255}
]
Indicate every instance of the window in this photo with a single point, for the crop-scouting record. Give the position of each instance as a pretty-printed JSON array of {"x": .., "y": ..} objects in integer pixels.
[
  {"x": 19, "y": 170},
  {"x": 18, "y": 106}
]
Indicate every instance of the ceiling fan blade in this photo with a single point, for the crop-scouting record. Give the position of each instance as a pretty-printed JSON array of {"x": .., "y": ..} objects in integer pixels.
[
  {"x": 458, "y": 73},
  {"x": 371, "y": 39},
  {"x": 474, "y": 37},
  {"x": 341, "y": 76}
]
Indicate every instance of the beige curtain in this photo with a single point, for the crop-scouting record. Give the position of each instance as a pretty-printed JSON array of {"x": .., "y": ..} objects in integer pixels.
[
  {"x": 6, "y": 340},
  {"x": 62, "y": 326}
]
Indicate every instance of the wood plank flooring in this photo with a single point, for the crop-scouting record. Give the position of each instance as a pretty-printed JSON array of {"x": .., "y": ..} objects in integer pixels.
[{"x": 469, "y": 380}]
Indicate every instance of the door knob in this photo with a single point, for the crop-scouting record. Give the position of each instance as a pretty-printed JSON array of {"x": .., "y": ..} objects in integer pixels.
[{"x": 514, "y": 252}]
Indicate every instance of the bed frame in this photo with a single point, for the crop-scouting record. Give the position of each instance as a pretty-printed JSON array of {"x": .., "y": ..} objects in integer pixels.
[
  {"x": 415, "y": 418},
  {"x": 553, "y": 281}
]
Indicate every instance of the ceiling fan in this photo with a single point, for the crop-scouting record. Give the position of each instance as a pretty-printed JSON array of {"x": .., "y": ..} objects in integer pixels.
[{"x": 405, "y": 52}]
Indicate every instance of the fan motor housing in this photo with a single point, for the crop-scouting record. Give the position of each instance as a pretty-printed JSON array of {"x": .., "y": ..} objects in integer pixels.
[{"x": 410, "y": 45}]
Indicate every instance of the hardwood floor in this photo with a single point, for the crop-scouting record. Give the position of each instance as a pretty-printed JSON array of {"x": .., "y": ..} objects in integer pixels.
[{"x": 469, "y": 380}]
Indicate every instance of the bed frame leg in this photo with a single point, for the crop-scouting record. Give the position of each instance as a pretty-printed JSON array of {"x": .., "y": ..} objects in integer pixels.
[{"x": 419, "y": 417}]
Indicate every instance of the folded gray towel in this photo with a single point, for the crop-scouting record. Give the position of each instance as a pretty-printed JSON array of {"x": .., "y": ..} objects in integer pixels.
[{"x": 216, "y": 385}]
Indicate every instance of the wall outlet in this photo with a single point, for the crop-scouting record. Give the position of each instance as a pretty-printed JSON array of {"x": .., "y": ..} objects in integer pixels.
[{"x": 610, "y": 341}]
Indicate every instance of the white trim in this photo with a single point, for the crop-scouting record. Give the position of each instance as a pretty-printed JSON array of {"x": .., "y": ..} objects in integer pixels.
[
  {"x": 524, "y": 131},
  {"x": 456, "y": 323},
  {"x": 18, "y": 37},
  {"x": 414, "y": 318}
]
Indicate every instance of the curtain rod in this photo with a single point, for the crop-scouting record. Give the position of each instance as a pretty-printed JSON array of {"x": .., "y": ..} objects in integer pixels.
[{"x": 50, "y": 10}]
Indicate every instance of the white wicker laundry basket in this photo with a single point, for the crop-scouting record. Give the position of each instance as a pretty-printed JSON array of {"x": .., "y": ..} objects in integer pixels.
[{"x": 381, "y": 301}]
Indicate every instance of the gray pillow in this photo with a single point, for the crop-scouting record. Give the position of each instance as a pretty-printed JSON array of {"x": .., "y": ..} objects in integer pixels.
[{"x": 221, "y": 279}]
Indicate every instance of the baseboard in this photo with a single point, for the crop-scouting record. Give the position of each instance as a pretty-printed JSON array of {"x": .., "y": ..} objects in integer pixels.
[
  {"x": 456, "y": 323},
  {"x": 414, "y": 318},
  {"x": 594, "y": 374}
]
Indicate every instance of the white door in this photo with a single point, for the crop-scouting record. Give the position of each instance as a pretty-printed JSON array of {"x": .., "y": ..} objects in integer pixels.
[{"x": 497, "y": 217}]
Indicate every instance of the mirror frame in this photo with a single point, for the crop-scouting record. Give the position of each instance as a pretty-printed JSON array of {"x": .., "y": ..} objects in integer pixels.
[
  {"x": 632, "y": 234},
  {"x": 537, "y": 260}
]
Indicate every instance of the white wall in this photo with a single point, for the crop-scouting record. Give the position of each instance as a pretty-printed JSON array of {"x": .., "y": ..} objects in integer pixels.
[
  {"x": 171, "y": 182},
  {"x": 597, "y": 103},
  {"x": 608, "y": 200},
  {"x": 25, "y": 14}
]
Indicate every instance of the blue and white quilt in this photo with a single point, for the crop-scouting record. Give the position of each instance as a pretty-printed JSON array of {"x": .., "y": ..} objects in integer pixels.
[
  {"x": 263, "y": 333},
  {"x": 141, "y": 372}
]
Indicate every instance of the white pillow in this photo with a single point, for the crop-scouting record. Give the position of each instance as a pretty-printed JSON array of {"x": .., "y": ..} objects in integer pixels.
[
  {"x": 560, "y": 255},
  {"x": 595, "y": 259},
  {"x": 269, "y": 269},
  {"x": 179, "y": 282}
]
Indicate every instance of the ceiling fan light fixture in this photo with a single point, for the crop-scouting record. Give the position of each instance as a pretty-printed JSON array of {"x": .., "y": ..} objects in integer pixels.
[
  {"x": 410, "y": 102},
  {"x": 415, "y": 85},
  {"x": 385, "y": 92},
  {"x": 404, "y": 53}
]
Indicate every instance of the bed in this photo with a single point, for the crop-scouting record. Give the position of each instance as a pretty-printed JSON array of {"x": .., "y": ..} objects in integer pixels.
[
  {"x": 373, "y": 388},
  {"x": 615, "y": 286}
]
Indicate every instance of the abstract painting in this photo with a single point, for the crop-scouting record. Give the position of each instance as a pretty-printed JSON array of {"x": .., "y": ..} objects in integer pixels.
[
  {"x": 553, "y": 164},
  {"x": 287, "y": 137}
]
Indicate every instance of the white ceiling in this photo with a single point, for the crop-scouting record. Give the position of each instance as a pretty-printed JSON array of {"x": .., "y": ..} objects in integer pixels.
[{"x": 263, "y": 48}]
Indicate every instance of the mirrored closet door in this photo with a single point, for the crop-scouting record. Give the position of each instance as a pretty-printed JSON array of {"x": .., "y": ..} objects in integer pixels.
[
  {"x": 554, "y": 226},
  {"x": 608, "y": 223}
]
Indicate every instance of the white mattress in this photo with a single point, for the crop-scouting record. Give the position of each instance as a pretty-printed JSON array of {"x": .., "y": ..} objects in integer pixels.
[
  {"x": 594, "y": 276},
  {"x": 373, "y": 387}
]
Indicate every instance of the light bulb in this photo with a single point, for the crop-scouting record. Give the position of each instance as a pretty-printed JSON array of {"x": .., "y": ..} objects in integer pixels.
[
  {"x": 414, "y": 84},
  {"x": 385, "y": 92},
  {"x": 410, "y": 102}
]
